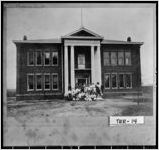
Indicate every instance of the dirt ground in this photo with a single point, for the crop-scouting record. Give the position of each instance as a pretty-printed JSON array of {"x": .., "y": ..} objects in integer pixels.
[{"x": 60, "y": 122}]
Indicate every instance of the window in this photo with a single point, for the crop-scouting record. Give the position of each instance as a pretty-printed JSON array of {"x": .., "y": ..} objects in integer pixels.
[
  {"x": 30, "y": 58},
  {"x": 47, "y": 58},
  {"x": 128, "y": 80},
  {"x": 30, "y": 82},
  {"x": 113, "y": 58},
  {"x": 38, "y": 58},
  {"x": 114, "y": 80},
  {"x": 106, "y": 59},
  {"x": 121, "y": 80},
  {"x": 38, "y": 82},
  {"x": 107, "y": 81},
  {"x": 54, "y": 58},
  {"x": 54, "y": 81},
  {"x": 120, "y": 58},
  {"x": 127, "y": 58},
  {"x": 81, "y": 61},
  {"x": 47, "y": 82}
]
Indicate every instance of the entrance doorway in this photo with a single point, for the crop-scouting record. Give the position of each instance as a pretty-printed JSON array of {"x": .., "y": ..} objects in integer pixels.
[{"x": 81, "y": 81}]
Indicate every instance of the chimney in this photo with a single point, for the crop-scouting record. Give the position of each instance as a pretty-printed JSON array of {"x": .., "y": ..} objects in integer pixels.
[
  {"x": 129, "y": 39},
  {"x": 24, "y": 37}
]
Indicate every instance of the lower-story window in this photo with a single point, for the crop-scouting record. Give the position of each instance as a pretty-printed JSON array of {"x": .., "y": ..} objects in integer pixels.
[
  {"x": 55, "y": 81},
  {"x": 30, "y": 82},
  {"x": 114, "y": 80},
  {"x": 121, "y": 80},
  {"x": 107, "y": 81},
  {"x": 47, "y": 82},
  {"x": 38, "y": 82},
  {"x": 128, "y": 80}
]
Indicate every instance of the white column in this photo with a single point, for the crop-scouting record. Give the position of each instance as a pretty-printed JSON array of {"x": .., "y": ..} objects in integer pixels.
[
  {"x": 72, "y": 68},
  {"x": 92, "y": 65},
  {"x": 66, "y": 68},
  {"x": 98, "y": 73}
]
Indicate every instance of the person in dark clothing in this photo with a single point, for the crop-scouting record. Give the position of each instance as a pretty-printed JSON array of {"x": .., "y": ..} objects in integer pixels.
[{"x": 97, "y": 89}]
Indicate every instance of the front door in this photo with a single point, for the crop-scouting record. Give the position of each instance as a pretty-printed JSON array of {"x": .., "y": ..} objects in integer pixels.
[{"x": 81, "y": 81}]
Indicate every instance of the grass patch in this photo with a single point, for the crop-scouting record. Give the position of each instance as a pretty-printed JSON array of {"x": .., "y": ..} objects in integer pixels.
[{"x": 138, "y": 110}]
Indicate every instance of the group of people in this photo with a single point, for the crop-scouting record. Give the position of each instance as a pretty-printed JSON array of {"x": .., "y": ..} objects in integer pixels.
[{"x": 85, "y": 92}]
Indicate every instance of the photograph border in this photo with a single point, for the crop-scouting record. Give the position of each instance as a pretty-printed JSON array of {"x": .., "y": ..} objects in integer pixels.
[{"x": 3, "y": 79}]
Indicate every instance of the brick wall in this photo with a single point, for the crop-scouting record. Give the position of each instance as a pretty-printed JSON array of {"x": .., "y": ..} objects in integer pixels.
[
  {"x": 134, "y": 68},
  {"x": 23, "y": 69}
]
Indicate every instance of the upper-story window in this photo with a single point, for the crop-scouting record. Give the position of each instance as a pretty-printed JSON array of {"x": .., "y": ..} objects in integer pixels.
[
  {"x": 106, "y": 59},
  {"x": 81, "y": 61},
  {"x": 55, "y": 58},
  {"x": 120, "y": 58},
  {"x": 47, "y": 58},
  {"x": 30, "y": 58},
  {"x": 113, "y": 58},
  {"x": 38, "y": 58},
  {"x": 127, "y": 58}
]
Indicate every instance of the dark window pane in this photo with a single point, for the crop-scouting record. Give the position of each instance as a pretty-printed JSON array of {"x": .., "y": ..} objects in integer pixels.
[
  {"x": 39, "y": 58},
  {"x": 47, "y": 81},
  {"x": 113, "y": 58},
  {"x": 120, "y": 58},
  {"x": 121, "y": 80},
  {"x": 55, "y": 58},
  {"x": 107, "y": 80},
  {"x": 114, "y": 80},
  {"x": 55, "y": 82},
  {"x": 106, "y": 59},
  {"x": 127, "y": 58},
  {"x": 31, "y": 58},
  {"x": 30, "y": 82},
  {"x": 128, "y": 80},
  {"x": 47, "y": 58},
  {"x": 39, "y": 82}
]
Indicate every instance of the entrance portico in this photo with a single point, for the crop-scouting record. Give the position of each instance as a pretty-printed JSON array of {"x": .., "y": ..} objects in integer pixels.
[{"x": 94, "y": 46}]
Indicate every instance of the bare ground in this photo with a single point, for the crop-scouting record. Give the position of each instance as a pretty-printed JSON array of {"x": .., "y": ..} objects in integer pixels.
[{"x": 60, "y": 122}]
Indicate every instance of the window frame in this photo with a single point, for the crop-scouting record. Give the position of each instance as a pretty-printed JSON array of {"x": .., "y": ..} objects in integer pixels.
[
  {"x": 44, "y": 58},
  {"x": 109, "y": 81},
  {"x": 123, "y": 80},
  {"x": 116, "y": 81},
  {"x": 52, "y": 58},
  {"x": 28, "y": 62},
  {"x": 57, "y": 81},
  {"x": 45, "y": 74},
  {"x": 130, "y": 80},
  {"x": 123, "y": 58},
  {"x": 108, "y": 58},
  {"x": 116, "y": 58},
  {"x": 36, "y": 81},
  {"x": 130, "y": 58},
  {"x": 30, "y": 74},
  {"x": 41, "y": 57},
  {"x": 84, "y": 60}
]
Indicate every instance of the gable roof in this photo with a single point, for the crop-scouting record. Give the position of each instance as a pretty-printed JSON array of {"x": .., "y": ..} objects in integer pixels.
[{"x": 82, "y": 33}]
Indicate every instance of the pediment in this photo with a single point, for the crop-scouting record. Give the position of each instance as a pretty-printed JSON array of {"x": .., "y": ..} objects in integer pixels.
[{"x": 83, "y": 33}]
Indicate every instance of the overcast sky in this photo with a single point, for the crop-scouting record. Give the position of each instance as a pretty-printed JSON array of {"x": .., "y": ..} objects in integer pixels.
[{"x": 116, "y": 23}]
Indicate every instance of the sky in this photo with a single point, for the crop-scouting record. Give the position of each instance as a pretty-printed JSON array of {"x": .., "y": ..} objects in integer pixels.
[{"x": 114, "y": 22}]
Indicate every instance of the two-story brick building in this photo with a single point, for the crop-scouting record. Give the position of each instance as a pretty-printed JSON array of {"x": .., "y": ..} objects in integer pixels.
[{"x": 45, "y": 68}]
